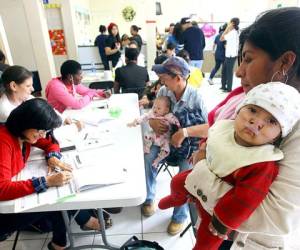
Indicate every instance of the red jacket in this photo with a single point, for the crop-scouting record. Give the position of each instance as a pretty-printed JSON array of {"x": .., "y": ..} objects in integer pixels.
[{"x": 12, "y": 162}]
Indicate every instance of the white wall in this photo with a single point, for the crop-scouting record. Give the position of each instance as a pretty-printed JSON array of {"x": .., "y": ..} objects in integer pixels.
[
  {"x": 104, "y": 12},
  {"x": 207, "y": 10},
  {"x": 17, "y": 32}
]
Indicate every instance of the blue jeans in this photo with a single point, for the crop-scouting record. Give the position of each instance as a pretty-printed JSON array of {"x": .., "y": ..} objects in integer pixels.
[
  {"x": 196, "y": 63},
  {"x": 180, "y": 214}
]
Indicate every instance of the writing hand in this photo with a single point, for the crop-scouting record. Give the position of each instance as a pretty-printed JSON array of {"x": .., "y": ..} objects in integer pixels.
[{"x": 54, "y": 162}]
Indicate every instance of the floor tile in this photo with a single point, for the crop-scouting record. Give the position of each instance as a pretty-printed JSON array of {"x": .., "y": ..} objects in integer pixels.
[
  {"x": 23, "y": 244},
  {"x": 25, "y": 235},
  {"x": 116, "y": 240},
  {"x": 170, "y": 242},
  {"x": 126, "y": 222}
]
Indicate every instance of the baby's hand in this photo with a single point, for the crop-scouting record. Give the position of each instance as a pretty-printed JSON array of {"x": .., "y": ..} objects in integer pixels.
[{"x": 132, "y": 124}]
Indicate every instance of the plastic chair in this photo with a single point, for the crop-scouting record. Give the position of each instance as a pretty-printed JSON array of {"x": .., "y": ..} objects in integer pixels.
[
  {"x": 107, "y": 85},
  {"x": 140, "y": 91}
]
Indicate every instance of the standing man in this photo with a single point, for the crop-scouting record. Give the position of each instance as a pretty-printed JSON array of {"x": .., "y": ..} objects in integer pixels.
[
  {"x": 100, "y": 43},
  {"x": 173, "y": 73},
  {"x": 194, "y": 42},
  {"x": 231, "y": 36}
]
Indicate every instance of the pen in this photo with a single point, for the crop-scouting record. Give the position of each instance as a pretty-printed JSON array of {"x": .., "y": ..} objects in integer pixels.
[{"x": 85, "y": 137}]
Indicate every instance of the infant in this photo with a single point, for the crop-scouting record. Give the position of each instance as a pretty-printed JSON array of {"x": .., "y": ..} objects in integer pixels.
[{"x": 160, "y": 110}]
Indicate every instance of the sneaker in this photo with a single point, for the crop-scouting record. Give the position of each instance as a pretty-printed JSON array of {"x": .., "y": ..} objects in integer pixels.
[
  {"x": 210, "y": 81},
  {"x": 174, "y": 228},
  {"x": 148, "y": 209}
]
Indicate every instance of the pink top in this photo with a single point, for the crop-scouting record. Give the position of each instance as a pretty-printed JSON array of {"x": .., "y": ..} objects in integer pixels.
[
  {"x": 213, "y": 114},
  {"x": 227, "y": 111},
  {"x": 62, "y": 97}
]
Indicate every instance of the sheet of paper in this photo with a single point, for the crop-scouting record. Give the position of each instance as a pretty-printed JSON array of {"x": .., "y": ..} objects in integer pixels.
[
  {"x": 38, "y": 168},
  {"x": 93, "y": 137}
]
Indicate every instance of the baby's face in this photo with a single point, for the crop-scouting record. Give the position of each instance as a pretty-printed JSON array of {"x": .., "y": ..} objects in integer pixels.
[
  {"x": 255, "y": 126},
  {"x": 160, "y": 108}
]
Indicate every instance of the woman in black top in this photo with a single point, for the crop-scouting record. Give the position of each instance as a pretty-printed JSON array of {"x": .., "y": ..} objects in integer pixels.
[
  {"x": 135, "y": 36},
  {"x": 113, "y": 44}
]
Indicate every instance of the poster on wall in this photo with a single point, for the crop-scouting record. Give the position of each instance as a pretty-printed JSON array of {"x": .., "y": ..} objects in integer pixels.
[
  {"x": 211, "y": 30},
  {"x": 57, "y": 40},
  {"x": 83, "y": 23}
]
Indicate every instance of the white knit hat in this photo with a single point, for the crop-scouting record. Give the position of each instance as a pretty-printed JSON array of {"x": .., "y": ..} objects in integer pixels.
[{"x": 279, "y": 99}]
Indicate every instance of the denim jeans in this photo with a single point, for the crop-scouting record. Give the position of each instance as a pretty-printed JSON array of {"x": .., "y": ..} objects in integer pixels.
[
  {"x": 196, "y": 63},
  {"x": 180, "y": 214},
  {"x": 218, "y": 64}
]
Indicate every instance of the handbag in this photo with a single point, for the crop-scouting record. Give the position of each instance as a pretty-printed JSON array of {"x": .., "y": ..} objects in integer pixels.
[{"x": 135, "y": 244}]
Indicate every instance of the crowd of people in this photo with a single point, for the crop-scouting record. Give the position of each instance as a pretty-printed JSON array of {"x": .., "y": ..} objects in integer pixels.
[{"x": 239, "y": 163}]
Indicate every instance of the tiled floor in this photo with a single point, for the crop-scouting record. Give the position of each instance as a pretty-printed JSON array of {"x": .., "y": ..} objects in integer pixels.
[{"x": 130, "y": 221}]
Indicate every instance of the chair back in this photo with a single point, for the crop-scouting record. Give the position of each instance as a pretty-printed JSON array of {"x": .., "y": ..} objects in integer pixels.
[
  {"x": 102, "y": 85},
  {"x": 140, "y": 91}
]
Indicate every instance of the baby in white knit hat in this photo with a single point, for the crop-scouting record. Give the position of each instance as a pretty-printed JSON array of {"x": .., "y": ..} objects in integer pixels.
[{"x": 240, "y": 162}]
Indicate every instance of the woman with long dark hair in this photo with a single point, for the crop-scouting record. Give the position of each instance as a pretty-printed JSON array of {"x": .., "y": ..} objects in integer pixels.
[
  {"x": 30, "y": 124},
  {"x": 113, "y": 44}
]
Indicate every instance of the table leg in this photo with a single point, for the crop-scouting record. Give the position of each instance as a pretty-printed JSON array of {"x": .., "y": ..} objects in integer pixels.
[
  {"x": 106, "y": 244},
  {"x": 68, "y": 228},
  {"x": 102, "y": 227}
]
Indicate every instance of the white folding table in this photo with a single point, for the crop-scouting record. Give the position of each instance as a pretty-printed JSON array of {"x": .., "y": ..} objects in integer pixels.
[{"x": 129, "y": 148}]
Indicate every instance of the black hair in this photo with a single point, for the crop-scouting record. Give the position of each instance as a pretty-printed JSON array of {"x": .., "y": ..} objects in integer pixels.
[
  {"x": 35, "y": 113},
  {"x": 135, "y": 28},
  {"x": 184, "y": 54},
  {"x": 124, "y": 37},
  {"x": 166, "y": 99},
  {"x": 160, "y": 59},
  {"x": 69, "y": 67},
  {"x": 177, "y": 32},
  {"x": 2, "y": 56},
  {"x": 171, "y": 46},
  {"x": 276, "y": 32},
  {"x": 102, "y": 28},
  {"x": 222, "y": 28},
  {"x": 109, "y": 29},
  {"x": 236, "y": 22},
  {"x": 17, "y": 74},
  {"x": 131, "y": 54}
]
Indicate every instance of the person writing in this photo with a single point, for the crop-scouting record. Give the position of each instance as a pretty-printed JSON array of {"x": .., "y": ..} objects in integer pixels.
[
  {"x": 31, "y": 124},
  {"x": 266, "y": 115},
  {"x": 62, "y": 92},
  {"x": 17, "y": 88}
]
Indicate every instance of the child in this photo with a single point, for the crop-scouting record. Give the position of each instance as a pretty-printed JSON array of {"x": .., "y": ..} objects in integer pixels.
[
  {"x": 240, "y": 159},
  {"x": 150, "y": 94},
  {"x": 160, "y": 110}
]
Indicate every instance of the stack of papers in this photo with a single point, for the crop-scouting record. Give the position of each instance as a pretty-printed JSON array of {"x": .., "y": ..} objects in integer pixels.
[{"x": 87, "y": 174}]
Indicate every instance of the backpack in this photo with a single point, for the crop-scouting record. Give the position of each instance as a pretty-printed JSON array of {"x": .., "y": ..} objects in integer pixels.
[
  {"x": 135, "y": 244},
  {"x": 187, "y": 117}
]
